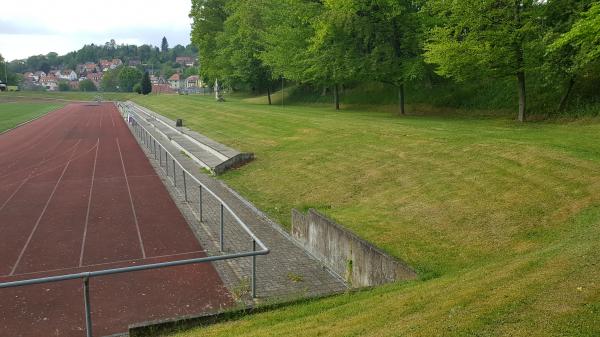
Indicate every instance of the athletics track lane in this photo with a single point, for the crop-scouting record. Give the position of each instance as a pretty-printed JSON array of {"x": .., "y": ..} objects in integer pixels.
[{"x": 86, "y": 198}]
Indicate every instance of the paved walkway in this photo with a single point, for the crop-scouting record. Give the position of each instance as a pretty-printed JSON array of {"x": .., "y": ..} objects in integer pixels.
[{"x": 288, "y": 272}]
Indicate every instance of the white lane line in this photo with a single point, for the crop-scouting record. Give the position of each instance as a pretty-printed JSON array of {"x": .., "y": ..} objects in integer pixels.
[
  {"x": 37, "y": 223},
  {"x": 112, "y": 119},
  {"x": 45, "y": 158},
  {"x": 137, "y": 225},
  {"x": 87, "y": 214},
  {"x": 17, "y": 190},
  {"x": 39, "y": 173},
  {"x": 101, "y": 116}
]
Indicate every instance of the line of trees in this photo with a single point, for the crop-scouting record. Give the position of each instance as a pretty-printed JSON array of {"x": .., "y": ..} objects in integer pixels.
[
  {"x": 5, "y": 73},
  {"x": 334, "y": 43},
  {"x": 150, "y": 56}
]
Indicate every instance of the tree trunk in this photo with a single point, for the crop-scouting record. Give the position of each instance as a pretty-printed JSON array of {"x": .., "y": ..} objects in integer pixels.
[
  {"x": 565, "y": 98},
  {"x": 336, "y": 96},
  {"x": 522, "y": 96},
  {"x": 401, "y": 99},
  {"x": 520, "y": 64},
  {"x": 269, "y": 93}
]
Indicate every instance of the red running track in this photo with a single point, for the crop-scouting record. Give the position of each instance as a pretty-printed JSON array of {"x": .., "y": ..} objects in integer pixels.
[{"x": 78, "y": 194}]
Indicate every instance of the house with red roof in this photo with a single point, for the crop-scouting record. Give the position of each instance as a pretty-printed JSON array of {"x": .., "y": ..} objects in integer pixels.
[
  {"x": 50, "y": 82},
  {"x": 193, "y": 81},
  {"x": 186, "y": 61},
  {"x": 95, "y": 77},
  {"x": 175, "y": 81}
]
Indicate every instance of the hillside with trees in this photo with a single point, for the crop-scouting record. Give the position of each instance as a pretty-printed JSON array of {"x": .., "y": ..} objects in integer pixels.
[
  {"x": 528, "y": 56},
  {"x": 126, "y": 63}
]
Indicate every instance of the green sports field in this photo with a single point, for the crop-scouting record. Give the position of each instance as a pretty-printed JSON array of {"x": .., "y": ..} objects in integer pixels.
[
  {"x": 15, "y": 113},
  {"x": 500, "y": 219}
]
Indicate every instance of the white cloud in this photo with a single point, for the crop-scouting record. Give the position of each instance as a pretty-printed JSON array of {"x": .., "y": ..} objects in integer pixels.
[{"x": 29, "y": 27}]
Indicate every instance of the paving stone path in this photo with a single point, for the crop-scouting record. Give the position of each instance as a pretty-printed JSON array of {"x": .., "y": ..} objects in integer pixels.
[{"x": 287, "y": 272}]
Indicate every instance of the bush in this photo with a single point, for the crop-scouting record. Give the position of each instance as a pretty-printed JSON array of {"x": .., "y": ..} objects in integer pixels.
[
  {"x": 137, "y": 88},
  {"x": 63, "y": 86},
  {"x": 87, "y": 85}
]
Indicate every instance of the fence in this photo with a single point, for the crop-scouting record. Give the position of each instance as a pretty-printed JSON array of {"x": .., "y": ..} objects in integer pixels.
[{"x": 210, "y": 206}]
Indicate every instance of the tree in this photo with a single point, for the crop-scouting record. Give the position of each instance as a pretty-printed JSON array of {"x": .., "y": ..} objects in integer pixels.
[
  {"x": 53, "y": 59},
  {"x": 164, "y": 46},
  {"x": 87, "y": 85},
  {"x": 490, "y": 38},
  {"x": 128, "y": 77},
  {"x": 63, "y": 86},
  {"x": 207, "y": 26},
  {"x": 110, "y": 80},
  {"x": 137, "y": 88},
  {"x": 577, "y": 47},
  {"x": 189, "y": 71},
  {"x": 288, "y": 37},
  {"x": 240, "y": 46},
  {"x": 146, "y": 85},
  {"x": 3, "y": 68},
  {"x": 381, "y": 40}
]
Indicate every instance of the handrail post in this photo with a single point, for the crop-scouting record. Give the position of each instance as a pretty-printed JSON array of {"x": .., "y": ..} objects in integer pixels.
[
  {"x": 167, "y": 162},
  {"x": 159, "y": 156},
  {"x": 221, "y": 231},
  {"x": 184, "y": 187},
  {"x": 88, "y": 309},
  {"x": 174, "y": 174},
  {"x": 200, "y": 190},
  {"x": 253, "y": 269}
]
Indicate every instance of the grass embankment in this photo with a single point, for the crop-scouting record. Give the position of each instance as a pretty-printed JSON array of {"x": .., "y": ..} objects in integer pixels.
[
  {"x": 15, "y": 113},
  {"x": 501, "y": 220}
]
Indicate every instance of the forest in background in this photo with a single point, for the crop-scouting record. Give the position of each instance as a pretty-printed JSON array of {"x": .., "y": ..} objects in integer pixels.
[{"x": 514, "y": 54}]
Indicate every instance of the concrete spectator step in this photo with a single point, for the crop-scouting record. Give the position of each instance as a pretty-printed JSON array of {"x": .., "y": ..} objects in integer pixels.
[{"x": 206, "y": 152}]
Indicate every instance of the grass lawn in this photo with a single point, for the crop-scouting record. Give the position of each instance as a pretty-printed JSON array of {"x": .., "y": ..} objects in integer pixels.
[
  {"x": 66, "y": 95},
  {"x": 15, "y": 113},
  {"x": 500, "y": 219}
]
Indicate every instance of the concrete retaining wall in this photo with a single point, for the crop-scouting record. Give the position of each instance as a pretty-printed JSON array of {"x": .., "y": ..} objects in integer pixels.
[
  {"x": 359, "y": 262},
  {"x": 234, "y": 162}
]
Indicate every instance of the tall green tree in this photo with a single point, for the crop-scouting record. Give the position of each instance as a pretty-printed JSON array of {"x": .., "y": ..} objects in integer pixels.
[
  {"x": 110, "y": 80},
  {"x": 146, "y": 84},
  {"x": 164, "y": 46},
  {"x": 288, "y": 37},
  {"x": 128, "y": 77},
  {"x": 241, "y": 44},
  {"x": 381, "y": 37},
  {"x": 475, "y": 38},
  {"x": 208, "y": 21},
  {"x": 574, "y": 40},
  {"x": 3, "y": 68}
]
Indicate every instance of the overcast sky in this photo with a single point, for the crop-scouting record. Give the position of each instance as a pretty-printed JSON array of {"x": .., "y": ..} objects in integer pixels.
[{"x": 33, "y": 27}]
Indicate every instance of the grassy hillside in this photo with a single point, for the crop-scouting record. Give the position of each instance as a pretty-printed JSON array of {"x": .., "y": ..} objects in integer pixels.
[
  {"x": 14, "y": 113},
  {"x": 501, "y": 220},
  {"x": 498, "y": 94}
]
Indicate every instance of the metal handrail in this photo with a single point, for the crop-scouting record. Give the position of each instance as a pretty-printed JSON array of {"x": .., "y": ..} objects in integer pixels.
[
  {"x": 87, "y": 275},
  {"x": 240, "y": 221},
  {"x": 104, "y": 272}
]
